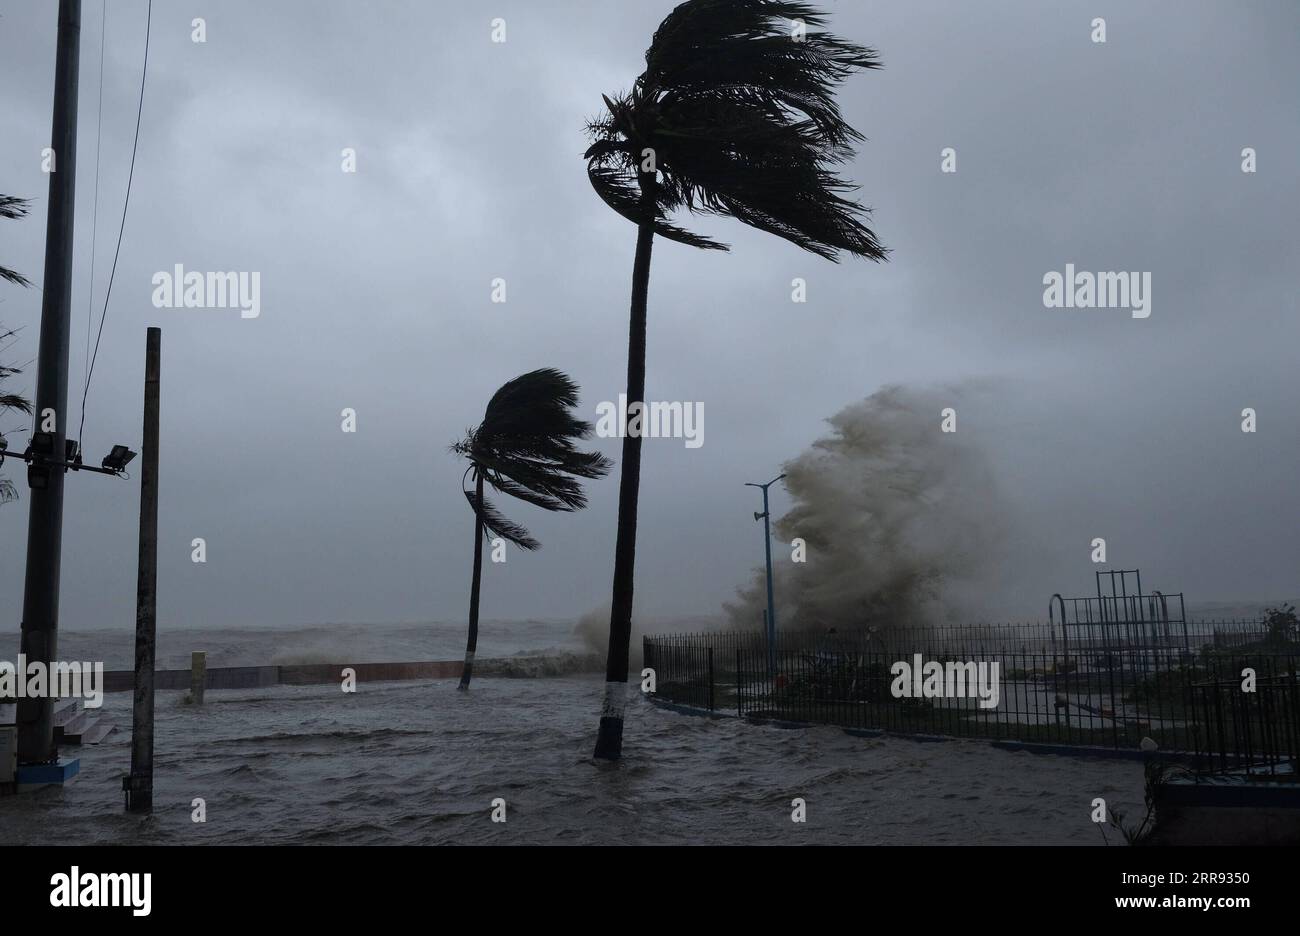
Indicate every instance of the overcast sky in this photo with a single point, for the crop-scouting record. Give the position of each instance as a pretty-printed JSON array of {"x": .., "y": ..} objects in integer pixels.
[{"x": 376, "y": 295}]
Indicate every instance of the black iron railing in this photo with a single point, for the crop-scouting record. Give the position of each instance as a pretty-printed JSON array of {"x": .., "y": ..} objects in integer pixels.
[
  {"x": 1108, "y": 694},
  {"x": 1255, "y": 732}
]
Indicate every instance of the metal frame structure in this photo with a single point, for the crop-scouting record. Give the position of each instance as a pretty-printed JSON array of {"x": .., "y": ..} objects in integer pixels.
[{"x": 1151, "y": 626}]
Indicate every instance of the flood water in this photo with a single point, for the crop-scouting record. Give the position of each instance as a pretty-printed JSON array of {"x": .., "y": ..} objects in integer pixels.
[{"x": 420, "y": 763}]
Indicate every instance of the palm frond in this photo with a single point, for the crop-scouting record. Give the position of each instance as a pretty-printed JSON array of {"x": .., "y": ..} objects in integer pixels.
[
  {"x": 531, "y": 495},
  {"x": 12, "y": 276},
  {"x": 537, "y": 403},
  {"x": 542, "y": 484},
  {"x": 622, "y": 196},
  {"x": 742, "y": 118},
  {"x": 495, "y": 524},
  {"x": 11, "y": 401},
  {"x": 707, "y": 46},
  {"x": 525, "y": 448},
  {"x": 11, "y": 206}
]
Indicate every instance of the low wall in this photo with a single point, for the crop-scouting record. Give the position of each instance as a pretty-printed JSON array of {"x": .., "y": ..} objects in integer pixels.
[
  {"x": 256, "y": 677},
  {"x": 1227, "y": 811}
]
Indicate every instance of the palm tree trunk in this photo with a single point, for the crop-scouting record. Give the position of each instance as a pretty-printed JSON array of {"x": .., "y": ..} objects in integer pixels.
[
  {"x": 472, "y": 642},
  {"x": 609, "y": 741}
]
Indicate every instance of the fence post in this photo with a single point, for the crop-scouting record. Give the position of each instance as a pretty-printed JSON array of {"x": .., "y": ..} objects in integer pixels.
[
  {"x": 198, "y": 675},
  {"x": 710, "y": 679},
  {"x": 740, "y": 686}
]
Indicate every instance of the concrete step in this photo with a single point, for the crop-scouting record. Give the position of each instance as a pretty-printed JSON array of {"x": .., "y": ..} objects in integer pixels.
[
  {"x": 93, "y": 730},
  {"x": 96, "y": 732},
  {"x": 64, "y": 709},
  {"x": 73, "y": 724}
]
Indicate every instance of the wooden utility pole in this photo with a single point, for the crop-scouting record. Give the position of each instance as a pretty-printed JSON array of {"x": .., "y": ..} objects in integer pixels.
[
  {"x": 139, "y": 784},
  {"x": 40, "y": 625}
]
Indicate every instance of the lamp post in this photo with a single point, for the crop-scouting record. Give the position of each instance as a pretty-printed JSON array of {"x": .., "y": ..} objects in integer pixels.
[
  {"x": 40, "y": 622},
  {"x": 767, "y": 543}
]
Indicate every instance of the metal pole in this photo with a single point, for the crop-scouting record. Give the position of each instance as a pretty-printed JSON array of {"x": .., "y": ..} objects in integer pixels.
[
  {"x": 139, "y": 785},
  {"x": 767, "y": 545},
  {"x": 771, "y": 606},
  {"x": 40, "y": 623}
]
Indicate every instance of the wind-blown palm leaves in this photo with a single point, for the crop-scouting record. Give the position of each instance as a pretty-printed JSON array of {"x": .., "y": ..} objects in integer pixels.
[
  {"x": 734, "y": 115},
  {"x": 11, "y": 208},
  {"x": 524, "y": 447},
  {"x": 739, "y": 113},
  {"x": 9, "y": 402}
]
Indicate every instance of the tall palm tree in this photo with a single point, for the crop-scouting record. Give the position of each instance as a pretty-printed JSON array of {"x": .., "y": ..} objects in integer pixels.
[
  {"x": 524, "y": 448},
  {"x": 734, "y": 115},
  {"x": 11, "y": 208}
]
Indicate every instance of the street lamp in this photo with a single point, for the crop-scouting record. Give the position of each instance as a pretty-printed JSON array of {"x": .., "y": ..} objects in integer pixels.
[
  {"x": 117, "y": 459},
  {"x": 767, "y": 544},
  {"x": 39, "y": 457}
]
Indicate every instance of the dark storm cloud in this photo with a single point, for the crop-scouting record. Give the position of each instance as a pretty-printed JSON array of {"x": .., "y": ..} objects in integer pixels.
[{"x": 376, "y": 295}]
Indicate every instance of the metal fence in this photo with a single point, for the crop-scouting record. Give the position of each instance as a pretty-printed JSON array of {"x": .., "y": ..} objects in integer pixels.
[
  {"x": 1256, "y": 732},
  {"x": 1048, "y": 638},
  {"x": 1187, "y": 699}
]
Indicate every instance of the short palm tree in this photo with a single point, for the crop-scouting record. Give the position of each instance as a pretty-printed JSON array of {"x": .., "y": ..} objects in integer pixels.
[
  {"x": 734, "y": 115},
  {"x": 524, "y": 448}
]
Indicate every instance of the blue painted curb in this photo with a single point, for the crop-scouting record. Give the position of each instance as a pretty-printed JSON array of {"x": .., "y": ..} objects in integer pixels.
[{"x": 44, "y": 774}]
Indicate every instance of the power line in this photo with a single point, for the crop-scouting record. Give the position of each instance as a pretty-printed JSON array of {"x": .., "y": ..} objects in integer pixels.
[
  {"x": 144, "y": 71},
  {"x": 94, "y": 215}
]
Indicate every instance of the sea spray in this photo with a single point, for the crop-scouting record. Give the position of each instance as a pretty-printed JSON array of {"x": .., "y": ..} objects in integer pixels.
[
  {"x": 895, "y": 513},
  {"x": 592, "y": 629}
]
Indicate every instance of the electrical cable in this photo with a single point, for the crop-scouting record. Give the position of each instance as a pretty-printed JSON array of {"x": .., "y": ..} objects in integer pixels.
[{"x": 144, "y": 72}]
